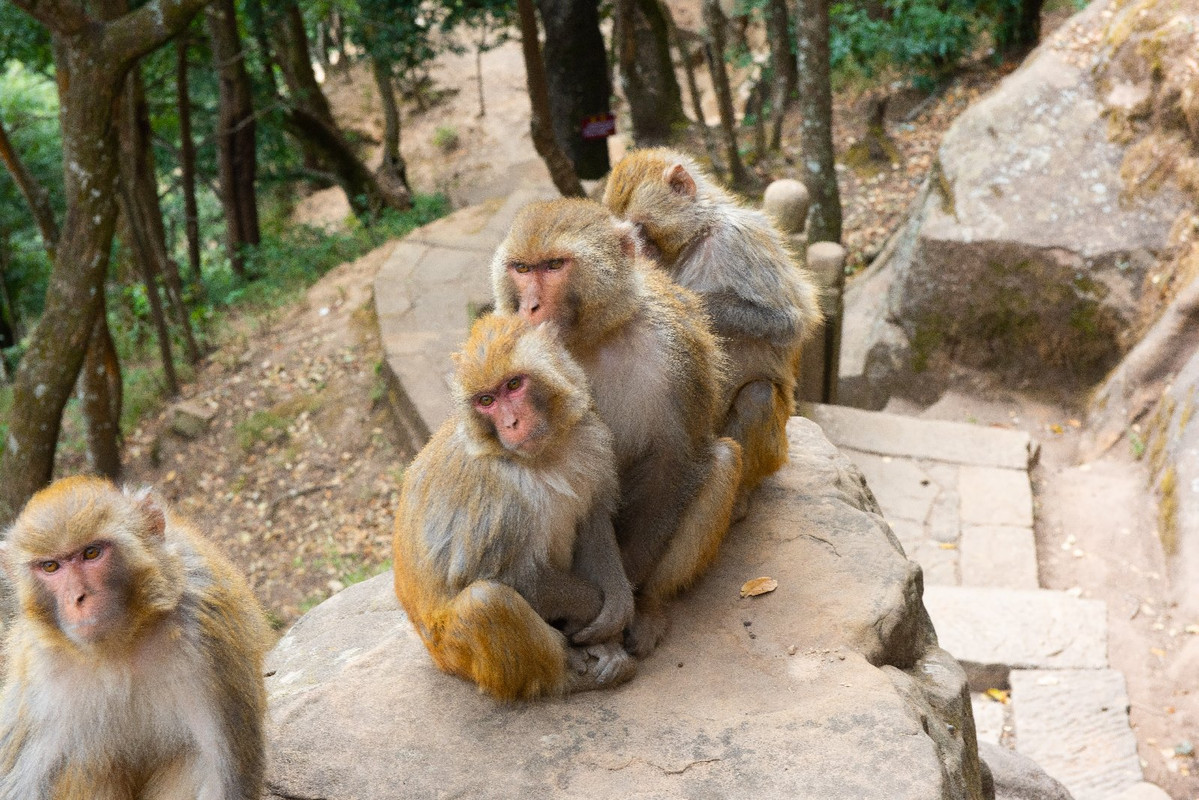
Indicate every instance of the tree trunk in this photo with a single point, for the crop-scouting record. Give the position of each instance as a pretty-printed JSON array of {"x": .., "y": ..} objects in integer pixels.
[
  {"x": 561, "y": 170},
  {"x": 258, "y": 29},
  {"x": 98, "y": 54},
  {"x": 647, "y": 71},
  {"x": 139, "y": 186},
  {"x": 187, "y": 160},
  {"x": 34, "y": 193},
  {"x": 9, "y": 319},
  {"x": 479, "y": 47},
  {"x": 714, "y": 51},
  {"x": 786, "y": 78},
  {"x": 697, "y": 106},
  {"x": 577, "y": 82},
  {"x": 1019, "y": 29},
  {"x": 393, "y": 171},
  {"x": 311, "y": 121},
  {"x": 237, "y": 159},
  {"x": 816, "y": 131},
  {"x": 139, "y": 250},
  {"x": 100, "y": 399}
]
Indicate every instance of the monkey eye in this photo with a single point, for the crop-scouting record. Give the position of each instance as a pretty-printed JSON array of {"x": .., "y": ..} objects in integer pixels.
[
  {"x": 485, "y": 400},
  {"x": 555, "y": 263},
  {"x": 515, "y": 384},
  {"x": 521, "y": 268},
  {"x": 49, "y": 566},
  {"x": 91, "y": 552}
]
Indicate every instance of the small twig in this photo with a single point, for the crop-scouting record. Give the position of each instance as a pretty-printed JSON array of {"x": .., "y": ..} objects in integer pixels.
[{"x": 294, "y": 493}]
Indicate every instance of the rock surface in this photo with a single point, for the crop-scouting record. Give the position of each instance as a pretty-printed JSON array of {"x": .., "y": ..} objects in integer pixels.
[
  {"x": 812, "y": 691},
  {"x": 1018, "y": 777},
  {"x": 1027, "y": 249}
]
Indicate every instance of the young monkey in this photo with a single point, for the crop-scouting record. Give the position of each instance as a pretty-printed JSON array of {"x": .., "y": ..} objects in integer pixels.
[
  {"x": 504, "y": 528},
  {"x": 762, "y": 305},
  {"x": 134, "y": 667}
]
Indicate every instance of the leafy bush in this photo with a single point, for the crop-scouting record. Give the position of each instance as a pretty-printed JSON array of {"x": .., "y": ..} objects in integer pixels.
[{"x": 919, "y": 38}]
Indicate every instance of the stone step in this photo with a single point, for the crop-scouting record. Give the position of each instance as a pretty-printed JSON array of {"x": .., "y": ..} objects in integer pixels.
[
  {"x": 1074, "y": 723},
  {"x": 907, "y": 437},
  {"x": 994, "y": 631}
]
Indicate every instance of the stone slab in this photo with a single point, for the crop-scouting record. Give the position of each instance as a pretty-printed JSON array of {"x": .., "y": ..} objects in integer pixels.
[
  {"x": 993, "y": 496},
  {"x": 812, "y": 691},
  {"x": 902, "y": 486},
  {"x": 898, "y": 436},
  {"x": 1074, "y": 723},
  {"x": 993, "y": 630},
  {"x": 999, "y": 556}
]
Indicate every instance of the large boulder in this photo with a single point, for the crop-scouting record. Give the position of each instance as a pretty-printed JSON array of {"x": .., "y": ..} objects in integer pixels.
[
  {"x": 830, "y": 687},
  {"x": 1028, "y": 248}
]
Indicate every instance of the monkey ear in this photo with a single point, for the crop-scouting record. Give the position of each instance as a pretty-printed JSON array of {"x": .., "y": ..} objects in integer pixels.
[
  {"x": 680, "y": 181},
  {"x": 152, "y": 511}
]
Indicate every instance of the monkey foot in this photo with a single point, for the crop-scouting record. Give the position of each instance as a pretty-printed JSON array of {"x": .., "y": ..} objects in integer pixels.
[
  {"x": 648, "y": 629},
  {"x": 599, "y": 666}
]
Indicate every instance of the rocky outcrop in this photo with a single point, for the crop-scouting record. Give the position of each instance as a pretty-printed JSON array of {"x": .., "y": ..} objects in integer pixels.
[
  {"x": 1027, "y": 251},
  {"x": 832, "y": 686}
]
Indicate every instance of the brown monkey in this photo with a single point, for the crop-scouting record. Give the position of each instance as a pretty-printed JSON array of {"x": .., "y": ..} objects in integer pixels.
[
  {"x": 505, "y": 524},
  {"x": 761, "y": 303},
  {"x": 655, "y": 372},
  {"x": 135, "y": 663}
]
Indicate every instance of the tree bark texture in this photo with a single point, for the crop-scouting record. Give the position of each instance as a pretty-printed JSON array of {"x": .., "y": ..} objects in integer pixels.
[
  {"x": 138, "y": 248},
  {"x": 310, "y": 120},
  {"x": 577, "y": 80},
  {"x": 100, "y": 399},
  {"x": 393, "y": 171},
  {"x": 34, "y": 193},
  {"x": 786, "y": 78},
  {"x": 143, "y": 211},
  {"x": 816, "y": 130},
  {"x": 98, "y": 54},
  {"x": 714, "y": 51},
  {"x": 187, "y": 159},
  {"x": 647, "y": 71},
  {"x": 237, "y": 158},
  {"x": 562, "y": 171},
  {"x": 684, "y": 51}
]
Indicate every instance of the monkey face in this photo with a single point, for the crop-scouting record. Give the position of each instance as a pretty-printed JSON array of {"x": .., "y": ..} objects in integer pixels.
[
  {"x": 515, "y": 414},
  {"x": 542, "y": 290},
  {"x": 83, "y": 589}
]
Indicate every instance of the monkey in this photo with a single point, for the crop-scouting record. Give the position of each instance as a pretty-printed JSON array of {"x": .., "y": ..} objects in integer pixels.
[
  {"x": 504, "y": 527},
  {"x": 134, "y": 664},
  {"x": 761, "y": 303},
  {"x": 655, "y": 371}
]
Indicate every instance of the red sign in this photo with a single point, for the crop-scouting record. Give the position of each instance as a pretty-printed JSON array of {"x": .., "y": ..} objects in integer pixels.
[{"x": 599, "y": 126}]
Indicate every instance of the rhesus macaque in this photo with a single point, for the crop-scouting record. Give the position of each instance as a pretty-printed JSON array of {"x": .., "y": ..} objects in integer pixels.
[
  {"x": 504, "y": 528},
  {"x": 134, "y": 666},
  {"x": 655, "y": 372},
  {"x": 761, "y": 303}
]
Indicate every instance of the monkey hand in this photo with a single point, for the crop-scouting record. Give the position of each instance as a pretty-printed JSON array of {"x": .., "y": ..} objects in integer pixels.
[
  {"x": 599, "y": 666},
  {"x": 614, "y": 617}
]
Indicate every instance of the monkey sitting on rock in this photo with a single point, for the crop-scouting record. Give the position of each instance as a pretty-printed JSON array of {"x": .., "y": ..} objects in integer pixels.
[
  {"x": 762, "y": 305},
  {"x": 134, "y": 666},
  {"x": 505, "y": 557}
]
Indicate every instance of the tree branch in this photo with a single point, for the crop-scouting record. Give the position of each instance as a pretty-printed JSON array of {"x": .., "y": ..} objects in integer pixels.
[
  {"x": 60, "y": 16},
  {"x": 132, "y": 35}
]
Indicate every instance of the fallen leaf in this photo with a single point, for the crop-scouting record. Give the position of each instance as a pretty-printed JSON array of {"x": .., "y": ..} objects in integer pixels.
[
  {"x": 1157, "y": 651},
  {"x": 1057, "y": 429},
  {"x": 999, "y": 696},
  {"x": 757, "y": 586}
]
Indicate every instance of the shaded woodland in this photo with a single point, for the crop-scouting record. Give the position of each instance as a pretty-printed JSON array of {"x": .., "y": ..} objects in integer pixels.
[{"x": 153, "y": 151}]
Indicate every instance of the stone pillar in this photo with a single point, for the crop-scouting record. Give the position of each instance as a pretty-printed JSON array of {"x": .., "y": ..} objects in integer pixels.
[
  {"x": 786, "y": 203},
  {"x": 821, "y": 358}
]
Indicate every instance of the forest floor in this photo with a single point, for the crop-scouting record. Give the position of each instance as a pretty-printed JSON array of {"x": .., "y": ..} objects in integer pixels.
[{"x": 298, "y": 473}]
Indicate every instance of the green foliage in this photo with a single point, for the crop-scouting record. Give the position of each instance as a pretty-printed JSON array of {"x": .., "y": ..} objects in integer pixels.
[
  {"x": 287, "y": 261},
  {"x": 29, "y": 110},
  {"x": 445, "y": 138},
  {"x": 922, "y": 39}
]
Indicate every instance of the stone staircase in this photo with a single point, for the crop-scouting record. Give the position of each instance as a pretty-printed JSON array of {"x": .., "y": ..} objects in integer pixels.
[{"x": 958, "y": 498}]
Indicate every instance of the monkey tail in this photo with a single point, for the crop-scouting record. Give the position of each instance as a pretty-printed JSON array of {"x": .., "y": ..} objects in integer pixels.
[
  {"x": 702, "y": 526},
  {"x": 489, "y": 634}
]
